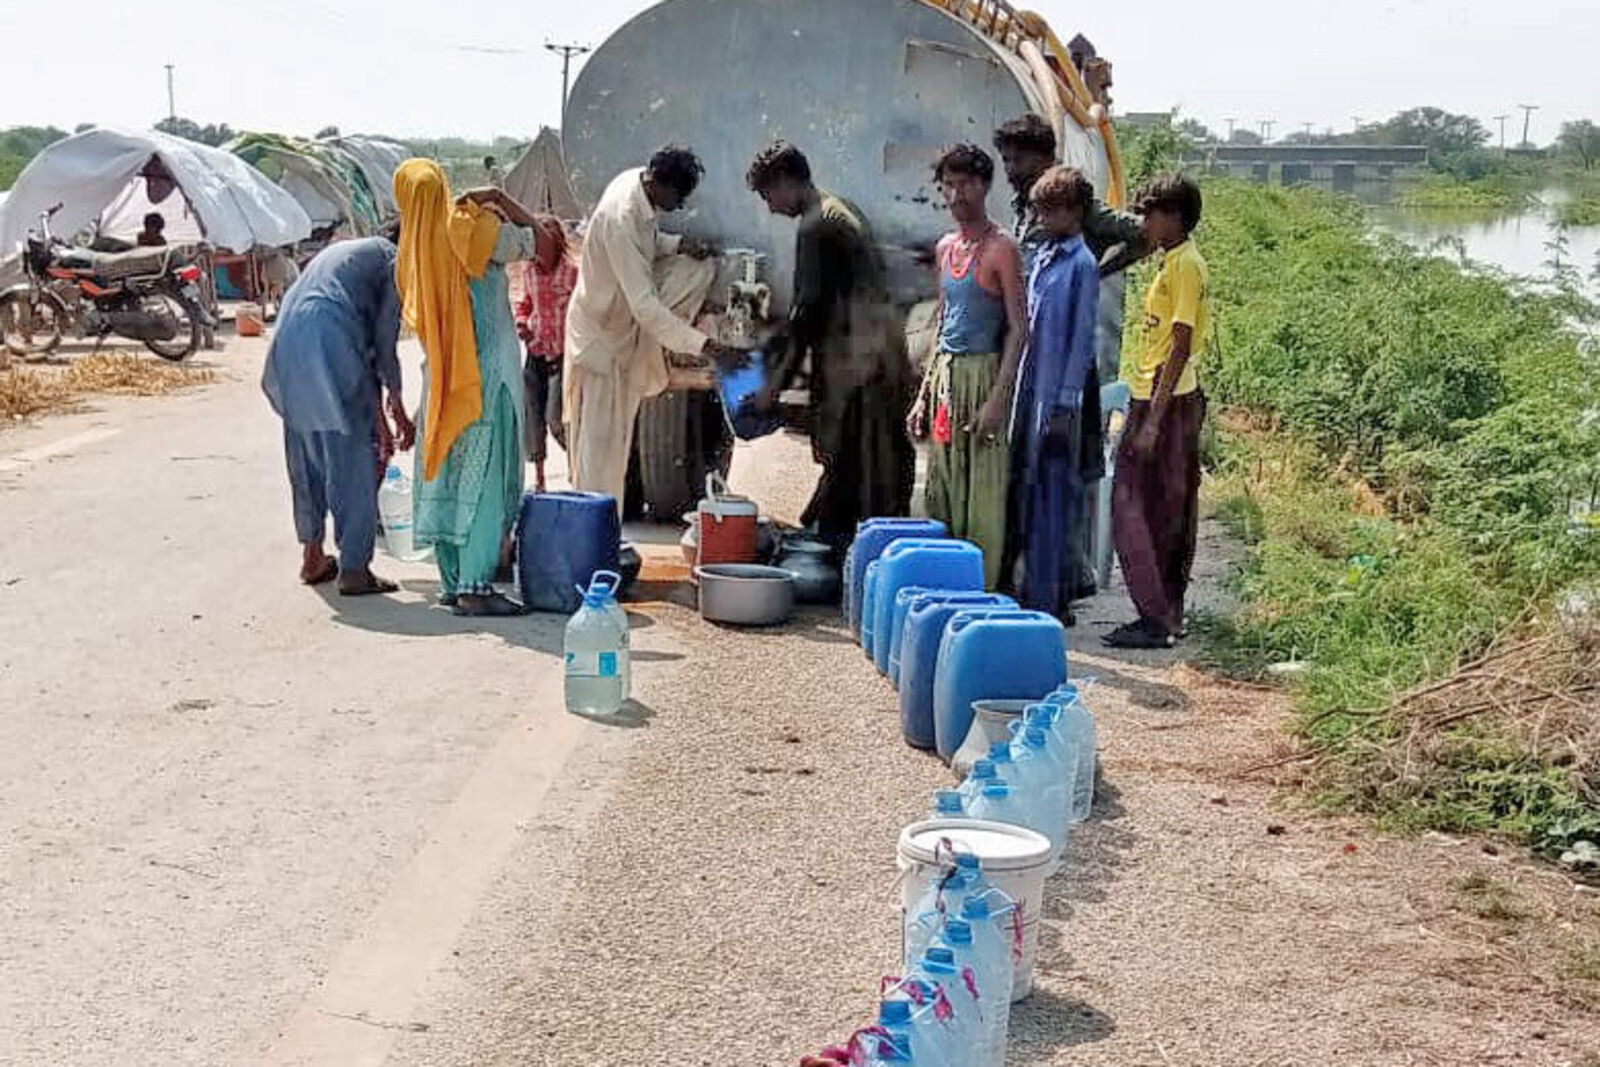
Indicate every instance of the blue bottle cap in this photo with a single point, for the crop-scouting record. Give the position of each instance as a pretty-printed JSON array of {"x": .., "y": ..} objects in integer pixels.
[
  {"x": 958, "y": 931},
  {"x": 1042, "y": 714},
  {"x": 975, "y": 909},
  {"x": 948, "y": 802},
  {"x": 894, "y": 1013},
  {"x": 894, "y": 1049},
  {"x": 1000, "y": 752},
  {"x": 1066, "y": 694},
  {"x": 997, "y": 790},
  {"x": 939, "y": 956},
  {"x": 393, "y": 474},
  {"x": 968, "y": 861},
  {"x": 984, "y": 769},
  {"x": 1034, "y": 736}
]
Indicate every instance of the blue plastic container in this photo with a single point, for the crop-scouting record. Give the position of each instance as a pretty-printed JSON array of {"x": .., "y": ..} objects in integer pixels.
[
  {"x": 562, "y": 540},
  {"x": 921, "y": 634},
  {"x": 872, "y": 537},
  {"x": 739, "y": 389},
  {"x": 935, "y": 564},
  {"x": 910, "y": 595},
  {"x": 869, "y": 599},
  {"x": 993, "y": 655}
]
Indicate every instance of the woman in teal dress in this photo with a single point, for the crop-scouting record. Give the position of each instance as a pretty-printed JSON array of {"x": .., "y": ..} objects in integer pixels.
[{"x": 470, "y": 473}]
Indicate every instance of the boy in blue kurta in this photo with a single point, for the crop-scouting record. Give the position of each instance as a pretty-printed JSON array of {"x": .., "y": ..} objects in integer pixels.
[{"x": 1055, "y": 430}]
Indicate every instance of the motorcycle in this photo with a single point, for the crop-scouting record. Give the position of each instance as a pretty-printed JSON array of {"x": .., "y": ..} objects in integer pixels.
[{"x": 151, "y": 295}]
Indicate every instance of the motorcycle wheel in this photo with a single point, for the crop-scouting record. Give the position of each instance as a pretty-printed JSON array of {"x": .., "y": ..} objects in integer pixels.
[
  {"x": 190, "y": 318},
  {"x": 32, "y": 323}
]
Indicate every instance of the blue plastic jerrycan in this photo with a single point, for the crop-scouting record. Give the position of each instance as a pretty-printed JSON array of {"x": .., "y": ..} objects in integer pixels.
[
  {"x": 562, "y": 540},
  {"x": 993, "y": 655},
  {"x": 942, "y": 564},
  {"x": 921, "y": 632},
  {"x": 872, "y": 537}
]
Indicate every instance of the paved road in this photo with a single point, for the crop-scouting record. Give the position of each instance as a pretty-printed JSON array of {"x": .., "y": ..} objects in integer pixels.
[{"x": 235, "y": 814}]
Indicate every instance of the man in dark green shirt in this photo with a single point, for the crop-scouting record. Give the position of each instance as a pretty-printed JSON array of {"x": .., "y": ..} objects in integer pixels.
[{"x": 1027, "y": 147}]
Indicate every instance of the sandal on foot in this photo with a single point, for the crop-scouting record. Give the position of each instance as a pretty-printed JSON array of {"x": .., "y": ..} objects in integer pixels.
[
  {"x": 1140, "y": 636},
  {"x": 371, "y": 585},
  {"x": 496, "y": 605},
  {"x": 329, "y": 571}
]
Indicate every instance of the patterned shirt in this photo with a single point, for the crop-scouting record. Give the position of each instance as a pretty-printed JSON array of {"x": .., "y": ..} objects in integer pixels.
[{"x": 542, "y": 311}]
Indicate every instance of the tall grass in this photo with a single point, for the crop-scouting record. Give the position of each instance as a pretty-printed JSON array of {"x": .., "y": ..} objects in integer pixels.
[{"x": 1410, "y": 451}]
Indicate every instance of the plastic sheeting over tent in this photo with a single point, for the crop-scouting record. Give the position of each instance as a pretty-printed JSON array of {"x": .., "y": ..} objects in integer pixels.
[
  {"x": 234, "y": 205},
  {"x": 329, "y": 182},
  {"x": 539, "y": 181},
  {"x": 378, "y": 160}
]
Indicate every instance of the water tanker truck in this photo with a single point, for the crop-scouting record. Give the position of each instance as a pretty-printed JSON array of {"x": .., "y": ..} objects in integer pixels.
[{"x": 870, "y": 90}]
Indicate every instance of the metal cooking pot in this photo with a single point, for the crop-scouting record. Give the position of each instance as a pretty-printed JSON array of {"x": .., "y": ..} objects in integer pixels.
[
  {"x": 745, "y": 594},
  {"x": 816, "y": 579}
]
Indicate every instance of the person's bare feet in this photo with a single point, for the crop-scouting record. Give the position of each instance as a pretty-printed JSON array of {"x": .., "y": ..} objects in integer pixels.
[{"x": 317, "y": 567}]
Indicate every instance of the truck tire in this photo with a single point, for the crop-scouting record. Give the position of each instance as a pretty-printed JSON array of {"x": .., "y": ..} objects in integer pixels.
[{"x": 680, "y": 438}]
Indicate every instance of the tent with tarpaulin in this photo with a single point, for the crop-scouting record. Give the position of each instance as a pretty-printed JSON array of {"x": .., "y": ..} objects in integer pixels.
[
  {"x": 539, "y": 179},
  {"x": 107, "y": 180}
]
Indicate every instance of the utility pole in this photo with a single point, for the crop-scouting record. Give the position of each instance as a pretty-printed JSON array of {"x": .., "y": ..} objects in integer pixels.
[
  {"x": 1266, "y": 129},
  {"x": 566, "y": 52},
  {"x": 1307, "y": 127},
  {"x": 172, "y": 106},
  {"x": 1527, "y": 119},
  {"x": 1501, "y": 119},
  {"x": 1231, "y": 123},
  {"x": 1355, "y": 123}
]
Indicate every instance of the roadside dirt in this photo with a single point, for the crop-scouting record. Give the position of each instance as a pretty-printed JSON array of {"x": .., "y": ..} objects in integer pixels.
[{"x": 721, "y": 892}]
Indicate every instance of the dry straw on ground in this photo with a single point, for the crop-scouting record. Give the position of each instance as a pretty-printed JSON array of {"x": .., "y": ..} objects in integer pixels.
[{"x": 29, "y": 391}]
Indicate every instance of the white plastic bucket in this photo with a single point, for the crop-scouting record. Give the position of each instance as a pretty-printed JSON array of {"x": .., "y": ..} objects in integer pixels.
[{"x": 1015, "y": 860}]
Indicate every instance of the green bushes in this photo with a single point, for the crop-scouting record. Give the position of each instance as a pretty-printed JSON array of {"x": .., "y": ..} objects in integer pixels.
[{"x": 1410, "y": 455}]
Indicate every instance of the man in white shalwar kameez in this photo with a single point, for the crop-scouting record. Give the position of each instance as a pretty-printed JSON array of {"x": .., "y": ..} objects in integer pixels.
[{"x": 635, "y": 301}]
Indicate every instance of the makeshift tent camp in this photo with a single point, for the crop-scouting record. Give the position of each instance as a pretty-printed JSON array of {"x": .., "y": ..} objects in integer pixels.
[
  {"x": 378, "y": 160},
  {"x": 107, "y": 177},
  {"x": 329, "y": 182},
  {"x": 539, "y": 180}
]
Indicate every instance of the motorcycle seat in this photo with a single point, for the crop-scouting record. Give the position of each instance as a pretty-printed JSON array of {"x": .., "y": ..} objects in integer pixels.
[{"x": 117, "y": 265}]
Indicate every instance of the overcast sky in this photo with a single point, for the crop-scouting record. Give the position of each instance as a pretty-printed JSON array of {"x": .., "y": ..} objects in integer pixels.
[{"x": 478, "y": 67}]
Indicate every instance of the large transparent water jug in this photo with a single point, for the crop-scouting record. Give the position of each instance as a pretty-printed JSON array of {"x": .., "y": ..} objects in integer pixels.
[
  {"x": 997, "y": 803},
  {"x": 594, "y": 659},
  {"x": 397, "y": 517},
  {"x": 963, "y": 1025},
  {"x": 993, "y": 934},
  {"x": 907, "y": 1024},
  {"x": 983, "y": 772},
  {"x": 888, "y": 1046},
  {"x": 993, "y": 989},
  {"x": 1077, "y": 726},
  {"x": 942, "y": 899},
  {"x": 609, "y": 585},
  {"x": 1043, "y": 781}
]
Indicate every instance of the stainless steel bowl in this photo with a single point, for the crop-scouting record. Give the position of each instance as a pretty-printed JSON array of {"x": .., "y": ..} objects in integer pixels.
[{"x": 744, "y": 594}]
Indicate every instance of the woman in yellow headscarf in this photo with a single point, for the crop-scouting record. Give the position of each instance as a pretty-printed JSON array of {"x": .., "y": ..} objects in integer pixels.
[{"x": 454, "y": 293}]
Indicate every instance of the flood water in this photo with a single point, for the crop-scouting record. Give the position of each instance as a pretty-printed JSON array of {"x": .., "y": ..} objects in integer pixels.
[{"x": 1519, "y": 242}]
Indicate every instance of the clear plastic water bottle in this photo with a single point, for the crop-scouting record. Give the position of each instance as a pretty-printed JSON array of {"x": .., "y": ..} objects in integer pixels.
[
  {"x": 943, "y": 897},
  {"x": 949, "y": 804},
  {"x": 1044, "y": 784},
  {"x": 993, "y": 991},
  {"x": 932, "y": 1023},
  {"x": 1077, "y": 726},
  {"x": 610, "y": 584},
  {"x": 997, "y": 803},
  {"x": 890, "y": 1044},
  {"x": 396, "y": 516},
  {"x": 964, "y": 1025},
  {"x": 1000, "y": 756},
  {"x": 983, "y": 772},
  {"x": 898, "y": 1018},
  {"x": 994, "y": 938},
  {"x": 594, "y": 659}
]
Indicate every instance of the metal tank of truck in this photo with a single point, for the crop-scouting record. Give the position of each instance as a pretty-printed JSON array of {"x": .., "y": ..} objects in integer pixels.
[{"x": 870, "y": 90}]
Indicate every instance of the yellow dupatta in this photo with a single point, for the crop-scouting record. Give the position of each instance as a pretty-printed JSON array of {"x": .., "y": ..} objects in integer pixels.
[{"x": 442, "y": 245}]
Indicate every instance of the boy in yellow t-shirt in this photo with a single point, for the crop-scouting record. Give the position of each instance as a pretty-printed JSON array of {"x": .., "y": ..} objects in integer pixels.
[{"x": 1156, "y": 504}]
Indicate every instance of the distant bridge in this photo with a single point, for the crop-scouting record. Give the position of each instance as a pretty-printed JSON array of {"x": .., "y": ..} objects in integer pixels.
[{"x": 1342, "y": 164}]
